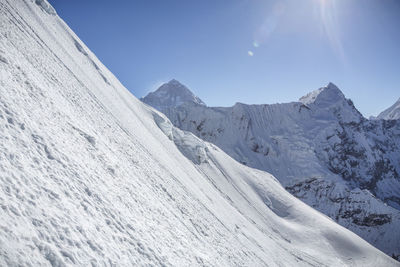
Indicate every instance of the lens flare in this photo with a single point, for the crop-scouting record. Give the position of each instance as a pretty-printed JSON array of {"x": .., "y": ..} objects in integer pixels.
[
  {"x": 330, "y": 25},
  {"x": 269, "y": 24}
]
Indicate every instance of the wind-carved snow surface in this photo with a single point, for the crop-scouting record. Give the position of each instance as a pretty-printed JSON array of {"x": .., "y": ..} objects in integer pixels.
[
  {"x": 91, "y": 176},
  {"x": 392, "y": 113},
  {"x": 321, "y": 149}
]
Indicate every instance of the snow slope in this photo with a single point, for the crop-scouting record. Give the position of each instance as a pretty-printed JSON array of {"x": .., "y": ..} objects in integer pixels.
[
  {"x": 392, "y": 113},
  {"x": 321, "y": 149},
  {"x": 91, "y": 176}
]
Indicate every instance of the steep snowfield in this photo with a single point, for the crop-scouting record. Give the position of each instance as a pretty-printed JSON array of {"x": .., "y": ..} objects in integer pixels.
[
  {"x": 91, "y": 176},
  {"x": 321, "y": 149},
  {"x": 392, "y": 113}
]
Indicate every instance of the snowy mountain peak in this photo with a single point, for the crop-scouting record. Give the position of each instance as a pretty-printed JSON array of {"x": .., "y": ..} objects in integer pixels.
[
  {"x": 332, "y": 104},
  {"x": 392, "y": 113},
  {"x": 331, "y": 85},
  {"x": 171, "y": 94},
  {"x": 328, "y": 94},
  {"x": 175, "y": 82}
]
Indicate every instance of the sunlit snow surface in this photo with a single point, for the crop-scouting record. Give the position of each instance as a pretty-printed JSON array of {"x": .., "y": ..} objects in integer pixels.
[
  {"x": 320, "y": 148},
  {"x": 91, "y": 176},
  {"x": 392, "y": 113}
]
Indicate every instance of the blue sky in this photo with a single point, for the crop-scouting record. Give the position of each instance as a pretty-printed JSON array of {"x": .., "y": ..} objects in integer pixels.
[{"x": 250, "y": 51}]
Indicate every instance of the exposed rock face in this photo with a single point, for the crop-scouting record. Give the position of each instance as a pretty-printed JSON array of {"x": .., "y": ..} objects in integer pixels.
[
  {"x": 321, "y": 149},
  {"x": 366, "y": 154},
  {"x": 355, "y": 209}
]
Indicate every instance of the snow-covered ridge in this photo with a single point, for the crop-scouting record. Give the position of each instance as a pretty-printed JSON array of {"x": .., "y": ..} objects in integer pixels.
[
  {"x": 321, "y": 149},
  {"x": 192, "y": 147},
  {"x": 91, "y": 176},
  {"x": 330, "y": 100},
  {"x": 328, "y": 95},
  {"x": 392, "y": 113}
]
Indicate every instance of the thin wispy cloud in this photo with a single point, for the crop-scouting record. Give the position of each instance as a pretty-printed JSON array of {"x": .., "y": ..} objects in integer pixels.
[{"x": 330, "y": 26}]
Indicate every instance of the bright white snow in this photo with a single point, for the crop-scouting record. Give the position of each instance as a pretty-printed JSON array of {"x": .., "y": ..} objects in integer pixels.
[
  {"x": 91, "y": 176},
  {"x": 321, "y": 149},
  {"x": 392, "y": 113}
]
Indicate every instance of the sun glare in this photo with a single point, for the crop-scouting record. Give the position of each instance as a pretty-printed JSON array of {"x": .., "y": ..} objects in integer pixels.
[{"x": 328, "y": 17}]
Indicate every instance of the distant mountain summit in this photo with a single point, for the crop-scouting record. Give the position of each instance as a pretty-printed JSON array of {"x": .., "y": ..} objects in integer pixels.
[
  {"x": 171, "y": 94},
  {"x": 321, "y": 149},
  {"x": 327, "y": 95},
  {"x": 330, "y": 101},
  {"x": 392, "y": 113}
]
